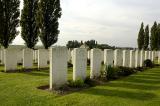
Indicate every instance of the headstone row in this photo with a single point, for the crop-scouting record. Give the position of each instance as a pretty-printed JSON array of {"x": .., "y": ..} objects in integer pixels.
[
  {"x": 11, "y": 57},
  {"x": 59, "y": 57}
]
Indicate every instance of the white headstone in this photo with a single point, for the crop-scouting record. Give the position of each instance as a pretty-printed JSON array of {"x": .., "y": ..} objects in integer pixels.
[
  {"x": 19, "y": 55},
  {"x": 10, "y": 59},
  {"x": 146, "y": 55},
  {"x": 102, "y": 56},
  {"x": 132, "y": 59},
  {"x": 2, "y": 56},
  {"x": 118, "y": 58},
  {"x": 69, "y": 55},
  {"x": 27, "y": 58},
  {"x": 43, "y": 56},
  {"x": 36, "y": 56},
  {"x": 108, "y": 57},
  {"x": 89, "y": 54},
  {"x": 126, "y": 57},
  {"x": 142, "y": 55},
  {"x": 95, "y": 63},
  {"x": 137, "y": 58},
  {"x": 158, "y": 53},
  {"x": 79, "y": 64},
  {"x": 153, "y": 56},
  {"x": 58, "y": 66},
  {"x": 150, "y": 55},
  {"x": 72, "y": 56}
]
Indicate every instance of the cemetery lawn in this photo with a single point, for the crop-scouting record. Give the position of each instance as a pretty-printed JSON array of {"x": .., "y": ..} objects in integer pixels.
[{"x": 20, "y": 89}]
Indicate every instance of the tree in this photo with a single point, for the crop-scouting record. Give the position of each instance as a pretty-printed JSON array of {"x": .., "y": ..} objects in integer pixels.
[
  {"x": 9, "y": 14},
  {"x": 154, "y": 37},
  {"x": 73, "y": 44},
  {"x": 91, "y": 44},
  {"x": 140, "y": 39},
  {"x": 48, "y": 15},
  {"x": 28, "y": 22},
  {"x": 158, "y": 32},
  {"x": 146, "y": 38}
]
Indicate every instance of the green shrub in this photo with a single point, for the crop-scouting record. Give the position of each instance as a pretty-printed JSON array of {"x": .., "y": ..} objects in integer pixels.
[
  {"x": 76, "y": 84},
  {"x": 90, "y": 82},
  {"x": 88, "y": 61},
  {"x": 148, "y": 63},
  {"x": 70, "y": 64},
  {"x": 125, "y": 71},
  {"x": 111, "y": 72}
]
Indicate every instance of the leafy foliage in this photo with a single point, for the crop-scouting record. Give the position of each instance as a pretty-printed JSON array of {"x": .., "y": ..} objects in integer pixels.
[
  {"x": 76, "y": 84},
  {"x": 91, "y": 44},
  {"x": 48, "y": 15},
  {"x": 140, "y": 39},
  {"x": 28, "y": 22},
  {"x": 154, "y": 37},
  {"x": 112, "y": 73},
  {"x": 146, "y": 38},
  {"x": 73, "y": 44},
  {"x": 148, "y": 63},
  {"x": 9, "y": 13}
]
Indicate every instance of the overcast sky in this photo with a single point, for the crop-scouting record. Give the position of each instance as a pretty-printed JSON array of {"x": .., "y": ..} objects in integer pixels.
[{"x": 114, "y": 22}]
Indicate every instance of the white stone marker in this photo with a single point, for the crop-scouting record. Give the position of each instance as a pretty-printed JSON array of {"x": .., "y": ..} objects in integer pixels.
[
  {"x": 27, "y": 58},
  {"x": 58, "y": 66},
  {"x": 102, "y": 56},
  {"x": 33, "y": 55},
  {"x": 19, "y": 56},
  {"x": 108, "y": 57},
  {"x": 10, "y": 59},
  {"x": 153, "y": 56},
  {"x": 72, "y": 56},
  {"x": 137, "y": 58},
  {"x": 36, "y": 56},
  {"x": 79, "y": 64},
  {"x": 89, "y": 54},
  {"x": 2, "y": 56},
  {"x": 118, "y": 58},
  {"x": 132, "y": 59},
  {"x": 142, "y": 58},
  {"x": 69, "y": 55},
  {"x": 146, "y": 55},
  {"x": 43, "y": 56},
  {"x": 95, "y": 63},
  {"x": 126, "y": 57},
  {"x": 150, "y": 55},
  {"x": 158, "y": 53}
]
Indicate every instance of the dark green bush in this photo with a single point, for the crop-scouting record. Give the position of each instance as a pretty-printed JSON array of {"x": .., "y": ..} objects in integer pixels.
[
  {"x": 125, "y": 71},
  {"x": 76, "y": 84},
  {"x": 70, "y": 64},
  {"x": 112, "y": 73},
  {"x": 88, "y": 61},
  {"x": 90, "y": 82},
  {"x": 148, "y": 63}
]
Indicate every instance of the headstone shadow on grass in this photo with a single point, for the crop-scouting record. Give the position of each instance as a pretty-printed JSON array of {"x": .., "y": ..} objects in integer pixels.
[{"x": 121, "y": 94}]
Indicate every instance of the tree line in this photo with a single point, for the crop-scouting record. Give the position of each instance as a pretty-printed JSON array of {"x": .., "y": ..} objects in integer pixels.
[
  {"x": 149, "y": 38},
  {"x": 90, "y": 44},
  {"x": 39, "y": 19}
]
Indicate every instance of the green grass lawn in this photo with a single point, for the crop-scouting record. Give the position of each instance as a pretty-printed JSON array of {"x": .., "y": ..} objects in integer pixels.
[{"x": 20, "y": 89}]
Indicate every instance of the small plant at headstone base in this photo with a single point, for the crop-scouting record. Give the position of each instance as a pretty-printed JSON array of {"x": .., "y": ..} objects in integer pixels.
[
  {"x": 70, "y": 64},
  {"x": 125, "y": 71},
  {"x": 79, "y": 83},
  {"x": 88, "y": 61},
  {"x": 148, "y": 63},
  {"x": 111, "y": 72},
  {"x": 90, "y": 82}
]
